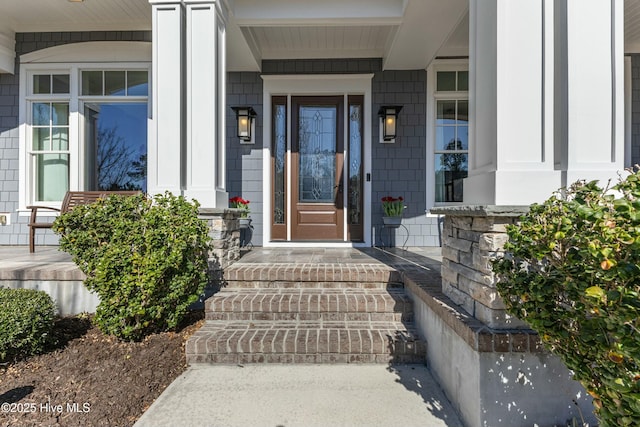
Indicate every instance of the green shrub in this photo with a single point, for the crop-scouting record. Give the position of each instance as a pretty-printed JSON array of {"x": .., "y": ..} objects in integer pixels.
[
  {"x": 26, "y": 322},
  {"x": 145, "y": 258},
  {"x": 572, "y": 271}
]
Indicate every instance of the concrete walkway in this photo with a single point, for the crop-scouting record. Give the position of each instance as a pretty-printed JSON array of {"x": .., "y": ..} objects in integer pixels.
[{"x": 302, "y": 395}]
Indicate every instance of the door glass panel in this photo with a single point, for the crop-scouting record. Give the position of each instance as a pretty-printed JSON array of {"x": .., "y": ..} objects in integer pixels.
[
  {"x": 317, "y": 151},
  {"x": 279, "y": 153},
  {"x": 355, "y": 164}
]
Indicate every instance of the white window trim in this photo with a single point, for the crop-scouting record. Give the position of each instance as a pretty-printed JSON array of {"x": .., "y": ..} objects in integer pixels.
[
  {"x": 432, "y": 97},
  {"x": 61, "y": 60},
  {"x": 309, "y": 84}
]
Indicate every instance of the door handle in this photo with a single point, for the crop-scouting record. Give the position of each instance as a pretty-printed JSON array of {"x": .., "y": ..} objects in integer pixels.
[{"x": 339, "y": 187}]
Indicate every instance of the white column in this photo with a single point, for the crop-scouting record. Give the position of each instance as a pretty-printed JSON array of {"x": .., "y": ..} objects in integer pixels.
[
  {"x": 7, "y": 50},
  {"x": 166, "y": 128},
  {"x": 511, "y": 54},
  {"x": 592, "y": 84},
  {"x": 205, "y": 95}
]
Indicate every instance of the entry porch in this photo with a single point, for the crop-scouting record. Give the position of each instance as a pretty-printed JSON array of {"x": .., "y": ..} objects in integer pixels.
[{"x": 498, "y": 377}]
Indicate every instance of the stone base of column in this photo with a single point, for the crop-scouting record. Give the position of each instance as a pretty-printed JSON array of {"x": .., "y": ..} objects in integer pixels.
[
  {"x": 224, "y": 229},
  {"x": 472, "y": 237}
]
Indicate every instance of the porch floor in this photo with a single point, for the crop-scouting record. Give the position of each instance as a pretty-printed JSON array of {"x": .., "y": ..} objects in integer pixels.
[{"x": 49, "y": 263}]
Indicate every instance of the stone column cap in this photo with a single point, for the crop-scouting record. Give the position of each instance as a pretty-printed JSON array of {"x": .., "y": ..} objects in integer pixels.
[{"x": 481, "y": 210}]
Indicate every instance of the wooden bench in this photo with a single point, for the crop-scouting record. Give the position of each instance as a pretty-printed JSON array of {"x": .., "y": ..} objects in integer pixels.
[{"x": 71, "y": 200}]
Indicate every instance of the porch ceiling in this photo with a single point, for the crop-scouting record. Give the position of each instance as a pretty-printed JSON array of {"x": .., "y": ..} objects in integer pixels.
[
  {"x": 62, "y": 15},
  {"x": 407, "y": 34}
]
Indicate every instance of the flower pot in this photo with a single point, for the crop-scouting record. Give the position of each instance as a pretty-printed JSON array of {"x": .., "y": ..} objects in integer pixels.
[
  {"x": 245, "y": 223},
  {"x": 392, "y": 221}
]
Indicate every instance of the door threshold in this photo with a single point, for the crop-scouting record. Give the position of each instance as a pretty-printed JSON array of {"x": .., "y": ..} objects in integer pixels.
[{"x": 316, "y": 244}]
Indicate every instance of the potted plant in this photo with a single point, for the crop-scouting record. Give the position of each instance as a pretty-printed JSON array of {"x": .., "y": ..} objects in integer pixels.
[
  {"x": 393, "y": 208},
  {"x": 238, "y": 202}
]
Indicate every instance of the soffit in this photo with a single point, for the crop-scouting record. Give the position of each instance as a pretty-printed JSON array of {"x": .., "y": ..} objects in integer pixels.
[
  {"x": 632, "y": 26},
  {"x": 62, "y": 15}
]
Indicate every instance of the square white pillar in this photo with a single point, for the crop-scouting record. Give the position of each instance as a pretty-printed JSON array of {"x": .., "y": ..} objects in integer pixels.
[
  {"x": 166, "y": 128},
  {"x": 511, "y": 102},
  {"x": 206, "y": 101},
  {"x": 546, "y": 97},
  {"x": 591, "y": 85}
]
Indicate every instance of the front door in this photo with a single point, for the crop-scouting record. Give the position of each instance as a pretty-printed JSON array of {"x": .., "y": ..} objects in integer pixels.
[{"x": 317, "y": 151}]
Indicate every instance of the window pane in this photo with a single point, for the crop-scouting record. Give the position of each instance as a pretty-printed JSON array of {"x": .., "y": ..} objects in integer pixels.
[
  {"x": 444, "y": 136},
  {"x": 116, "y": 146},
  {"x": 60, "y": 83},
  {"x": 446, "y": 114},
  {"x": 463, "y": 137},
  {"x": 92, "y": 82},
  {"x": 60, "y": 114},
  {"x": 446, "y": 81},
  {"x": 137, "y": 83},
  {"x": 280, "y": 152},
  {"x": 451, "y": 169},
  {"x": 60, "y": 139},
  {"x": 41, "y": 83},
  {"x": 52, "y": 177},
  {"x": 463, "y": 81},
  {"x": 41, "y": 114},
  {"x": 463, "y": 112},
  {"x": 114, "y": 83},
  {"x": 41, "y": 140}
]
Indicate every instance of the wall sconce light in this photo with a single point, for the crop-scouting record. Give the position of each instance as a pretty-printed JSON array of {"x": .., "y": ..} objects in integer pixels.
[
  {"x": 389, "y": 122},
  {"x": 245, "y": 117}
]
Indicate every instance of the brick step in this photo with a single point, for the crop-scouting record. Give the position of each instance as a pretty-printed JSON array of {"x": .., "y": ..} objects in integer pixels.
[
  {"x": 305, "y": 342},
  {"x": 310, "y": 316},
  {"x": 305, "y": 301},
  {"x": 277, "y": 284},
  {"x": 316, "y": 273}
]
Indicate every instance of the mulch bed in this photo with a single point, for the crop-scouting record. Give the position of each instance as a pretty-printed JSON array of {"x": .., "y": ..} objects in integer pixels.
[{"x": 90, "y": 379}]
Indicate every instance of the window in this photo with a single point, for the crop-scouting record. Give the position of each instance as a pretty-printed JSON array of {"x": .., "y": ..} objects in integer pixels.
[
  {"x": 49, "y": 149},
  {"x": 86, "y": 129},
  {"x": 115, "y": 122},
  {"x": 451, "y": 134}
]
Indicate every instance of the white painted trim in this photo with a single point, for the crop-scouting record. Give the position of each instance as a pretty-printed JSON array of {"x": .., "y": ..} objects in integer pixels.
[
  {"x": 101, "y": 51},
  {"x": 315, "y": 244},
  {"x": 7, "y": 51},
  {"x": 628, "y": 117},
  {"x": 312, "y": 84}
]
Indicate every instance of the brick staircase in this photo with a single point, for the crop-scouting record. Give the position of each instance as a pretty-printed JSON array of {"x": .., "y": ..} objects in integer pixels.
[{"x": 308, "y": 313}]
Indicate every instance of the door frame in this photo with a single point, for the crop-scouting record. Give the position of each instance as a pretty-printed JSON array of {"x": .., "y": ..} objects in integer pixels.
[{"x": 315, "y": 85}]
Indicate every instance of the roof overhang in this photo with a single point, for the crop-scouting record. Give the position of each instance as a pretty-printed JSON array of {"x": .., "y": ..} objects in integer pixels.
[{"x": 406, "y": 34}]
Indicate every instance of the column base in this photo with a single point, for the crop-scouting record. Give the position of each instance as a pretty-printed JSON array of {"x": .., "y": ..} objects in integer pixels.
[{"x": 511, "y": 187}]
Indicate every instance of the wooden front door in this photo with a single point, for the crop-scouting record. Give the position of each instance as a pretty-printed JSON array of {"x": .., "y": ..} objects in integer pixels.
[{"x": 317, "y": 154}]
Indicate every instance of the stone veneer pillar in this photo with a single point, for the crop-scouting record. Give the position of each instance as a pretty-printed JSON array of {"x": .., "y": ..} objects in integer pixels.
[
  {"x": 494, "y": 364},
  {"x": 224, "y": 229},
  {"x": 472, "y": 237}
]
